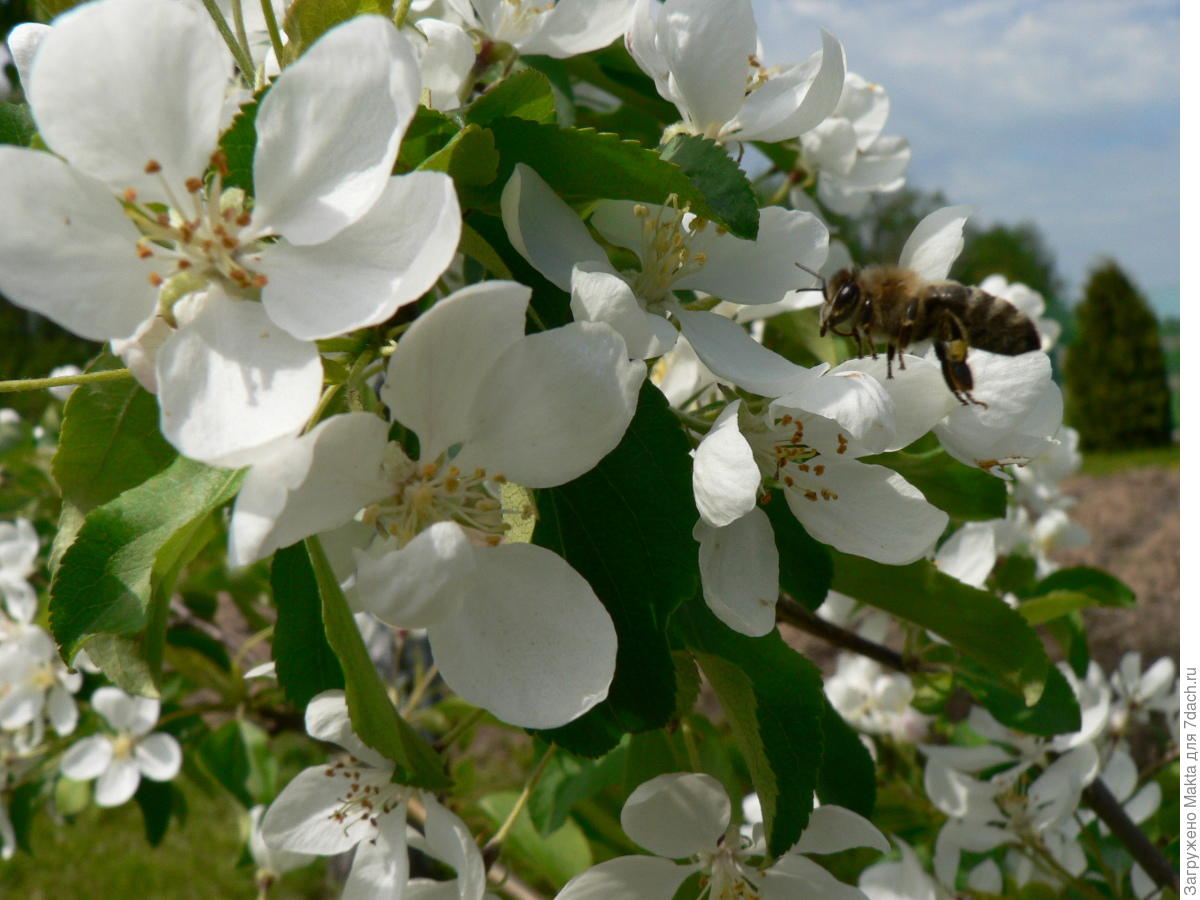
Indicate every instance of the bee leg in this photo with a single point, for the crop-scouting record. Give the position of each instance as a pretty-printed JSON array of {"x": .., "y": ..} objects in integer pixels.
[
  {"x": 904, "y": 332},
  {"x": 891, "y": 354},
  {"x": 865, "y": 319},
  {"x": 952, "y": 354}
]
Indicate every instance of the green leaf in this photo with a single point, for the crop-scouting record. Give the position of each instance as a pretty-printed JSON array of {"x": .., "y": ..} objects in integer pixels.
[
  {"x": 474, "y": 245},
  {"x": 227, "y": 759},
  {"x": 1104, "y": 589},
  {"x": 722, "y": 182},
  {"x": 805, "y": 568},
  {"x": 523, "y": 95},
  {"x": 557, "y": 857},
  {"x": 568, "y": 780},
  {"x": 776, "y": 707},
  {"x": 427, "y": 133},
  {"x": 122, "y": 660},
  {"x": 307, "y": 20},
  {"x": 962, "y": 492},
  {"x": 977, "y": 623},
  {"x": 156, "y": 800},
  {"x": 109, "y": 441},
  {"x": 372, "y": 714},
  {"x": 305, "y": 664},
  {"x": 847, "y": 770},
  {"x": 103, "y": 584},
  {"x": 626, "y": 526},
  {"x": 1054, "y": 605},
  {"x": 16, "y": 124},
  {"x": 470, "y": 158},
  {"x": 238, "y": 143},
  {"x": 583, "y": 165},
  {"x": 1056, "y": 712}
]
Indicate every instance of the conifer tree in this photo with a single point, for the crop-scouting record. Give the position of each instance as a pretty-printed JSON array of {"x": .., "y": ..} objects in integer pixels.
[{"x": 1116, "y": 382}]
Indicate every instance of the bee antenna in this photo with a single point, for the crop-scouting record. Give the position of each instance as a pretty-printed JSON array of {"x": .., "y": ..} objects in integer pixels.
[{"x": 816, "y": 275}]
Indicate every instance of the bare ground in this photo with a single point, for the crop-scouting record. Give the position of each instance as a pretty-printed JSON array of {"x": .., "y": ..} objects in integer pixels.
[{"x": 1133, "y": 517}]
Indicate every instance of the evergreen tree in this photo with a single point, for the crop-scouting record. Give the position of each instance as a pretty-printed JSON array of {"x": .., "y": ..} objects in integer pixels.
[{"x": 1116, "y": 382}]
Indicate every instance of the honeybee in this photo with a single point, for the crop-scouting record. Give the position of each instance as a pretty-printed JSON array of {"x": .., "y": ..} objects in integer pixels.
[{"x": 896, "y": 305}]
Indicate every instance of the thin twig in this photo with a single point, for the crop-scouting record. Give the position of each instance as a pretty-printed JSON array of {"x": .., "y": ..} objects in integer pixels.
[
  {"x": 791, "y": 612},
  {"x": 1112, "y": 814},
  {"x": 38, "y": 384}
]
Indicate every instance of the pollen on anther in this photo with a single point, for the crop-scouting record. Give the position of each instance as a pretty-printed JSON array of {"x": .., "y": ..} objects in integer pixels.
[
  {"x": 803, "y": 467},
  {"x": 130, "y": 195},
  {"x": 819, "y": 470},
  {"x": 259, "y": 281},
  {"x": 144, "y": 252},
  {"x": 828, "y": 494},
  {"x": 789, "y": 480},
  {"x": 193, "y": 184},
  {"x": 810, "y": 495},
  {"x": 156, "y": 279},
  {"x": 153, "y": 167}
]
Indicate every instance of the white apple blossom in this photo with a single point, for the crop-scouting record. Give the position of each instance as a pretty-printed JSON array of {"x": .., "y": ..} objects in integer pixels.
[
  {"x": 687, "y": 815},
  {"x": 806, "y": 445},
  {"x": 178, "y": 290},
  {"x": 704, "y": 57},
  {"x": 120, "y": 760},
  {"x": 853, "y": 159},
  {"x": 446, "y": 56},
  {"x": 353, "y": 804},
  {"x": 18, "y": 555},
  {"x": 676, "y": 250},
  {"x": 874, "y": 699},
  {"x": 557, "y": 28},
  {"x": 35, "y": 686},
  {"x": 1137, "y": 694},
  {"x": 270, "y": 863},
  {"x": 512, "y": 627},
  {"x": 902, "y": 879}
]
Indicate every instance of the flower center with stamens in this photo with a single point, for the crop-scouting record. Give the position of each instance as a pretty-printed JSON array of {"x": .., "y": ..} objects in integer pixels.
[
  {"x": 518, "y": 19},
  {"x": 785, "y": 459},
  {"x": 667, "y": 255},
  {"x": 200, "y": 236},
  {"x": 362, "y": 801},
  {"x": 438, "y": 491},
  {"x": 727, "y": 878}
]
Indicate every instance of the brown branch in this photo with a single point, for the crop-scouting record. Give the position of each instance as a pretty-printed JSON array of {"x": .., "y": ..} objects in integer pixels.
[
  {"x": 791, "y": 612},
  {"x": 1112, "y": 814}
]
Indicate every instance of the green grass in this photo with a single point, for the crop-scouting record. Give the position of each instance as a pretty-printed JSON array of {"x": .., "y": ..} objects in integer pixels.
[
  {"x": 1106, "y": 463},
  {"x": 103, "y": 854}
]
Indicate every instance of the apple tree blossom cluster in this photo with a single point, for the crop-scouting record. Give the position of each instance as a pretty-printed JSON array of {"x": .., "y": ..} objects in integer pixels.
[{"x": 461, "y": 396}]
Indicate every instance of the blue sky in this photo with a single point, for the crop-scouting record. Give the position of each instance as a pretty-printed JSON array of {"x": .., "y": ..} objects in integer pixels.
[{"x": 1063, "y": 112}]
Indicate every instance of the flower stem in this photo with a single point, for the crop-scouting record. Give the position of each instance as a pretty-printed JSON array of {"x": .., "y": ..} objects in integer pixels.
[
  {"x": 244, "y": 62},
  {"x": 239, "y": 24},
  {"x": 447, "y": 739},
  {"x": 492, "y": 847},
  {"x": 402, "y": 12},
  {"x": 273, "y": 30},
  {"x": 37, "y": 384},
  {"x": 418, "y": 692}
]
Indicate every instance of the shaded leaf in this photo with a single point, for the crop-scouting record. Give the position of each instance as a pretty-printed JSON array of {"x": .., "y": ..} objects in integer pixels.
[
  {"x": 523, "y": 95},
  {"x": 626, "y": 526},
  {"x": 847, "y": 770},
  {"x": 724, "y": 185},
  {"x": 776, "y": 707},
  {"x": 305, "y": 664},
  {"x": 556, "y": 857},
  {"x": 16, "y": 123},
  {"x": 962, "y": 492},
  {"x": 805, "y": 567},
  {"x": 1056, "y": 712}
]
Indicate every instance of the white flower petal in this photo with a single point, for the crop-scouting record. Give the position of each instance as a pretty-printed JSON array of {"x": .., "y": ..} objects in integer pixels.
[
  {"x": 810, "y": 97},
  {"x": 874, "y": 513},
  {"x": 725, "y": 477},
  {"x": 553, "y": 405},
  {"x": 599, "y": 296},
  {"x": 969, "y": 554},
  {"x": 136, "y": 715},
  {"x": 423, "y": 582},
  {"x": 88, "y": 758},
  {"x": 118, "y": 783},
  {"x": 440, "y": 362},
  {"x": 833, "y": 145},
  {"x": 451, "y": 841},
  {"x": 832, "y": 829},
  {"x": 446, "y": 53},
  {"x": 329, "y": 128},
  {"x": 531, "y": 643},
  {"x": 61, "y": 710},
  {"x": 677, "y": 815},
  {"x": 762, "y": 270},
  {"x": 571, "y": 27},
  {"x": 71, "y": 255},
  {"x": 327, "y": 718},
  {"x": 301, "y": 818},
  {"x": 739, "y": 569},
  {"x": 312, "y": 484},
  {"x": 918, "y": 393},
  {"x": 865, "y": 104},
  {"x": 380, "y": 867},
  {"x": 629, "y": 878},
  {"x": 707, "y": 45},
  {"x": 170, "y": 68},
  {"x": 231, "y": 383},
  {"x": 158, "y": 756},
  {"x": 936, "y": 242},
  {"x": 544, "y": 230},
  {"x": 857, "y": 402},
  {"x": 387, "y": 258},
  {"x": 23, "y": 43},
  {"x": 732, "y": 355},
  {"x": 794, "y": 877}
]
